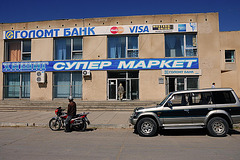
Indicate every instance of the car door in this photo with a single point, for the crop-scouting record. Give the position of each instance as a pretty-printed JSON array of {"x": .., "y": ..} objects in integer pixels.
[
  {"x": 178, "y": 112},
  {"x": 201, "y": 105}
]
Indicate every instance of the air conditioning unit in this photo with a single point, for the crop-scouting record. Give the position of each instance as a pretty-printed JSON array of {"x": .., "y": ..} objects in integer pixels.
[
  {"x": 40, "y": 77},
  {"x": 86, "y": 73}
]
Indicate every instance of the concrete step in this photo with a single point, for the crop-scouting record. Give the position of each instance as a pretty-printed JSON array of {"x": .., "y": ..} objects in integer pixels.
[{"x": 13, "y": 105}]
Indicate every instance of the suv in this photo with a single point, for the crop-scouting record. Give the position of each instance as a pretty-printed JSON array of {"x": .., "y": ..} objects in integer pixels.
[{"x": 216, "y": 109}]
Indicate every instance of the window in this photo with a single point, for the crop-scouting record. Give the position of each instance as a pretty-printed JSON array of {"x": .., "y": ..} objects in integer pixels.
[
  {"x": 180, "y": 45},
  {"x": 180, "y": 100},
  {"x": 66, "y": 84},
  {"x": 181, "y": 83},
  {"x": 122, "y": 46},
  {"x": 223, "y": 97},
  {"x": 229, "y": 56},
  {"x": 68, "y": 48},
  {"x": 202, "y": 98},
  {"x": 18, "y": 50},
  {"x": 17, "y": 85},
  {"x": 192, "y": 83}
]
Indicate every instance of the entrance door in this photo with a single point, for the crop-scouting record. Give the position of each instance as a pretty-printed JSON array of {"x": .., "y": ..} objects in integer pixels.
[
  {"x": 180, "y": 84},
  {"x": 130, "y": 83},
  {"x": 112, "y": 89},
  {"x": 124, "y": 84}
]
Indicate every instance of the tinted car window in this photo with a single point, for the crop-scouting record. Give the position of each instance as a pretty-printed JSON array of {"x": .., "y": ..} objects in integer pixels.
[
  {"x": 225, "y": 97},
  {"x": 201, "y": 98},
  {"x": 180, "y": 100}
]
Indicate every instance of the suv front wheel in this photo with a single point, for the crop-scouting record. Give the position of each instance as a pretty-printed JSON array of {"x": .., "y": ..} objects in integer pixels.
[
  {"x": 217, "y": 127},
  {"x": 147, "y": 127}
]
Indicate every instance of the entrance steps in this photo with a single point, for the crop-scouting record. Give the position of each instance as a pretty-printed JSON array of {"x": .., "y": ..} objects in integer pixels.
[{"x": 11, "y": 105}]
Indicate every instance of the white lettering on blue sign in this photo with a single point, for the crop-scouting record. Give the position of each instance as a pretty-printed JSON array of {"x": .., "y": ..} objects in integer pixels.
[
  {"x": 116, "y": 64},
  {"x": 153, "y": 63}
]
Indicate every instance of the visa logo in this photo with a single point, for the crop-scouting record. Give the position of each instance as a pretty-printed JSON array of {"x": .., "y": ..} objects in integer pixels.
[{"x": 139, "y": 29}]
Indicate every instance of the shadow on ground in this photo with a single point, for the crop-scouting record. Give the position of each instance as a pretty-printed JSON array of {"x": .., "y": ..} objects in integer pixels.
[
  {"x": 192, "y": 132},
  {"x": 87, "y": 130}
]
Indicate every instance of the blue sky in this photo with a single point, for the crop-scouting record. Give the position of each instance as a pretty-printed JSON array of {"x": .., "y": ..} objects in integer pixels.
[{"x": 12, "y": 11}]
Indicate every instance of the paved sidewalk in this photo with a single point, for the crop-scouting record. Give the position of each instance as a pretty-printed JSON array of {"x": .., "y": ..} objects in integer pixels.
[{"x": 98, "y": 119}]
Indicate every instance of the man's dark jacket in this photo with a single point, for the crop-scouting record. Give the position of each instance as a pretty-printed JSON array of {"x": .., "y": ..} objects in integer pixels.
[{"x": 71, "y": 109}]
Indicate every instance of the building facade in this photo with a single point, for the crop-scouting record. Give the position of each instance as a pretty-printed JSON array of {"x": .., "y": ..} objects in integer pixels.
[{"x": 88, "y": 58}]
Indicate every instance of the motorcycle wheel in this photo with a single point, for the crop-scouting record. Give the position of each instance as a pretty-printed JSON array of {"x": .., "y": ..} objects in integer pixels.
[
  {"x": 54, "y": 124},
  {"x": 81, "y": 127}
]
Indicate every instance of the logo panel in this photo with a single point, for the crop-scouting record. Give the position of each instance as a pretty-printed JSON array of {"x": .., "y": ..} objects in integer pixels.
[
  {"x": 9, "y": 34},
  {"x": 117, "y": 30},
  {"x": 182, "y": 27}
]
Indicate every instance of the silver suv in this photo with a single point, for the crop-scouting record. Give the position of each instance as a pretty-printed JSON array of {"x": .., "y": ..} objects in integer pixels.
[{"x": 216, "y": 109}]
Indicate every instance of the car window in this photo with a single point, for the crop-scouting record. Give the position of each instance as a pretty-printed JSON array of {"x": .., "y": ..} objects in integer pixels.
[
  {"x": 180, "y": 100},
  {"x": 223, "y": 97},
  {"x": 165, "y": 99},
  {"x": 201, "y": 98}
]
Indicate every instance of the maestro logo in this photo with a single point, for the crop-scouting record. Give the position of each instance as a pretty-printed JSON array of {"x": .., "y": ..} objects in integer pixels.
[
  {"x": 9, "y": 34},
  {"x": 115, "y": 30}
]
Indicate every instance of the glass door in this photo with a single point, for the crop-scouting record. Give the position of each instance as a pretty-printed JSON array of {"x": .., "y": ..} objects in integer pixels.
[
  {"x": 134, "y": 89},
  {"x": 180, "y": 85},
  {"x": 128, "y": 89},
  {"x": 129, "y": 81},
  {"x": 112, "y": 89},
  {"x": 125, "y": 84}
]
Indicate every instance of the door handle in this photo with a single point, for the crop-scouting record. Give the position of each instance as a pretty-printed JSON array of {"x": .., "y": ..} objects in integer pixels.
[{"x": 186, "y": 110}]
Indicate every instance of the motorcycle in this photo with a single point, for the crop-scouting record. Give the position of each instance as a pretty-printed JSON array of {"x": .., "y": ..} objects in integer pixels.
[{"x": 78, "y": 122}]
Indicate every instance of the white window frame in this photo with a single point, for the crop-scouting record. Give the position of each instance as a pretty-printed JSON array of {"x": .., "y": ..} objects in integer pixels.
[
  {"x": 6, "y": 58},
  {"x": 70, "y": 85},
  {"x": 127, "y": 49},
  {"x": 76, "y": 51},
  {"x": 176, "y": 84},
  {"x": 25, "y": 53},
  {"x": 20, "y": 85},
  {"x": 186, "y": 48},
  {"x": 71, "y": 45}
]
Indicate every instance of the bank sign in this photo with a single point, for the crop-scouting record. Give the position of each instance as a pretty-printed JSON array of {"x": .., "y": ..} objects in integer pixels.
[
  {"x": 100, "y": 30},
  {"x": 119, "y": 64}
]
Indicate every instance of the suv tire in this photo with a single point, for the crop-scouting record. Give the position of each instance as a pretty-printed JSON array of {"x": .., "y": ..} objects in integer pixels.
[
  {"x": 147, "y": 127},
  {"x": 217, "y": 127}
]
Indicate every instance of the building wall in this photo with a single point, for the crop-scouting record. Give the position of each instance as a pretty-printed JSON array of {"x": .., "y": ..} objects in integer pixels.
[
  {"x": 230, "y": 71},
  {"x": 211, "y": 60},
  {"x": 1, "y": 60},
  {"x": 208, "y": 50},
  {"x": 95, "y": 86},
  {"x": 42, "y": 50},
  {"x": 151, "y": 46}
]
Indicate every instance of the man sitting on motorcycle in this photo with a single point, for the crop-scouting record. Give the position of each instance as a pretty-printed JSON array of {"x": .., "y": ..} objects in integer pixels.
[{"x": 71, "y": 112}]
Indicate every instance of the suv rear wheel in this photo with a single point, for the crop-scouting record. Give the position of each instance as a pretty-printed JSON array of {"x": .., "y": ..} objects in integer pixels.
[
  {"x": 147, "y": 127},
  {"x": 217, "y": 127}
]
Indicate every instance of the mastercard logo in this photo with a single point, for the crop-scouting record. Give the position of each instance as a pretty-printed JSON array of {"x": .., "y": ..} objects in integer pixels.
[{"x": 117, "y": 30}]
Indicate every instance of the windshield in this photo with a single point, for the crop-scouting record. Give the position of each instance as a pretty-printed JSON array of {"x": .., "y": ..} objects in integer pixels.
[{"x": 165, "y": 99}]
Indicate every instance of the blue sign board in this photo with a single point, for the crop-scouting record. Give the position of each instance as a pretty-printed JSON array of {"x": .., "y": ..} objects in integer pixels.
[{"x": 112, "y": 64}]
